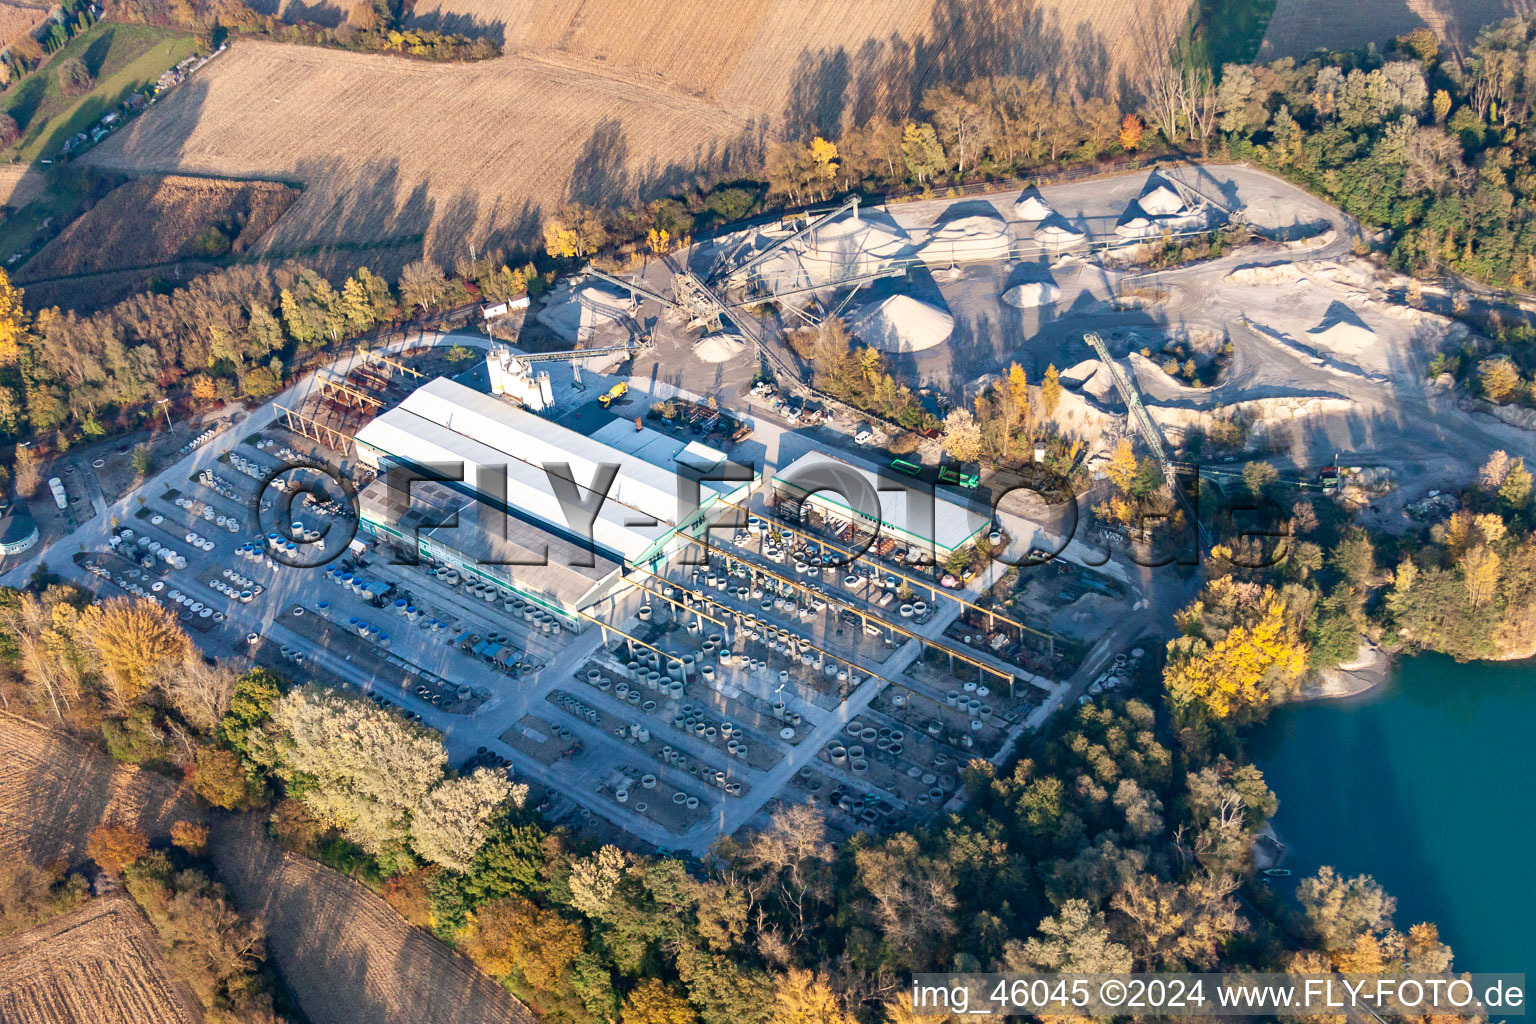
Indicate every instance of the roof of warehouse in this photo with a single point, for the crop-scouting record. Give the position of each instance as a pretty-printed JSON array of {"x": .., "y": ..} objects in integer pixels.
[
  {"x": 444, "y": 421},
  {"x": 953, "y": 525},
  {"x": 535, "y": 557}
]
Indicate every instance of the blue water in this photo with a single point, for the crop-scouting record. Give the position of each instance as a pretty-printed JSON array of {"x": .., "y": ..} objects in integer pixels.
[{"x": 1429, "y": 784}]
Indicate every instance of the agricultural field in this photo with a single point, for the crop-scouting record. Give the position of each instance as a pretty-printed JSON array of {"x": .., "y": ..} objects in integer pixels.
[
  {"x": 156, "y": 220},
  {"x": 122, "y": 58},
  {"x": 1301, "y": 26},
  {"x": 594, "y": 102},
  {"x": 19, "y": 185},
  {"x": 54, "y": 791},
  {"x": 97, "y": 965},
  {"x": 345, "y": 954},
  {"x": 17, "y": 18}
]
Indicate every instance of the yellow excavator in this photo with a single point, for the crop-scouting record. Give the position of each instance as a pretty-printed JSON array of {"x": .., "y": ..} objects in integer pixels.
[{"x": 613, "y": 394}]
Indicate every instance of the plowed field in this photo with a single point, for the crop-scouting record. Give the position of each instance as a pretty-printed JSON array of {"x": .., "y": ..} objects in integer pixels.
[
  {"x": 594, "y": 101},
  {"x": 97, "y": 965}
]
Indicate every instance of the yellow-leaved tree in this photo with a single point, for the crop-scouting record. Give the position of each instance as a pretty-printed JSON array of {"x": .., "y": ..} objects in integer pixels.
[
  {"x": 136, "y": 640},
  {"x": 15, "y": 321},
  {"x": 652, "y": 1002},
  {"x": 1240, "y": 672},
  {"x": 805, "y": 997}
]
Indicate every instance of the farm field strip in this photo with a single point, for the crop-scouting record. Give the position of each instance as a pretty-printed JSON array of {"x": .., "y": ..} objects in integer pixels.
[
  {"x": 595, "y": 102},
  {"x": 99, "y": 963}
]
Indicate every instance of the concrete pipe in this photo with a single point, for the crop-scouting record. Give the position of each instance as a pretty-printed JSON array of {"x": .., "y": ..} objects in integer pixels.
[
  {"x": 855, "y": 751},
  {"x": 859, "y": 765},
  {"x": 648, "y": 781}
]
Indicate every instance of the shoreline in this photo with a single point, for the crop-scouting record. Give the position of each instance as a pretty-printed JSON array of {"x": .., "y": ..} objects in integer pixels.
[{"x": 1368, "y": 672}]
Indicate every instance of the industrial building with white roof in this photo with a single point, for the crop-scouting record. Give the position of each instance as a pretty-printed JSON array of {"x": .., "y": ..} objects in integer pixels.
[{"x": 660, "y": 489}]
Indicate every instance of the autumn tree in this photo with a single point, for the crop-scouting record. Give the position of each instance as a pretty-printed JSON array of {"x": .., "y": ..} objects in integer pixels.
[
  {"x": 962, "y": 435},
  {"x": 137, "y": 642},
  {"x": 1131, "y": 132},
  {"x": 113, "y": 847},
  {"x": 1241, "y": 672},
  {"x": 963, "y": 124},
  {"x": 452, "y": 822},
  {"x": 422, "y": 285},
  {"x": 10, "y": 131},
  {"x": 28, "y": 474},
  {"x": 805, "y": 997},
  {"x": 1515, "y": 489},
  {"x": 201, "y": 692},
  {"x": 190, "y": 836},
  {"x": 219, "y": 778},
  {"x": 1075, "y": 941},
  {"x": 513, "y": 935},
  {"x": 652, "y": 1002},
  {"x": 574, "y": 231},
  {"x": 1338, "y": 910},
  {"x": 367, "y": 770},
  {"x": 1499, "y": 379},
  {"x": 1122, "y": 466},
  {"x": 823, "y": 156},
  {"x": 1050, "y": 390}
]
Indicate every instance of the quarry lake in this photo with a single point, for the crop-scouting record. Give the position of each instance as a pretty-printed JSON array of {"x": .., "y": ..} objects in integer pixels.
[{"x": 1425, "y": 783}]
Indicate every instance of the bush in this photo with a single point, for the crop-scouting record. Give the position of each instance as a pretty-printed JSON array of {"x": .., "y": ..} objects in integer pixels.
[{"x": 74, "y": 78}]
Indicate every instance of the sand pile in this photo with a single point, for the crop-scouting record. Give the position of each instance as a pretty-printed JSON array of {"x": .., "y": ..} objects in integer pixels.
[
  {"x": 1150, "y": 376},
  {"x": 1077, "y": 375},
  {"x": 902, "y": 324},
  {"x": 1135, "y": 227},
  {"x": 1279, "y": 273},
  {"x": 1162, "y": 201},
  {"x": 719, "y": 348},
  {"x": 846, "y": 248},
  {"x": 574, "y": 310},
  {"x": 1031, "y": 294},
  {"x": 1031, "y": 207},
  {"x": 1057, "y": 233},
  {"x": 967, "y": 240},
  {"x": 1342, "y": 330}
]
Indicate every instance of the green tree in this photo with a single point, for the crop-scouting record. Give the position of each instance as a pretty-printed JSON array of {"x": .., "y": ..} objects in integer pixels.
[{"x": 921, "y": 151}]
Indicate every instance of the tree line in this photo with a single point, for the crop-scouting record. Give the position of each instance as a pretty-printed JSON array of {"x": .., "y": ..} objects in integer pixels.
[
  {"x": 241, "y": 333},
  {"x": 371, "y": 26}
]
